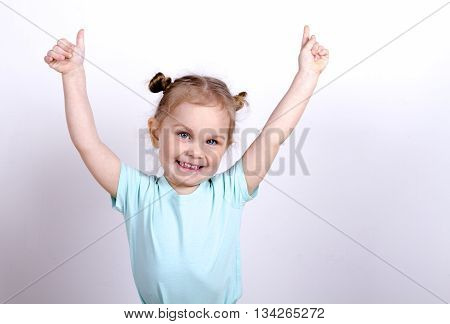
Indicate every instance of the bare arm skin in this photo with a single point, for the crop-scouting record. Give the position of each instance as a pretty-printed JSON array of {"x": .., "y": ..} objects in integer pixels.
[
  {"x": 102, "y": 163},
  {"x": 258, "y": 158}
]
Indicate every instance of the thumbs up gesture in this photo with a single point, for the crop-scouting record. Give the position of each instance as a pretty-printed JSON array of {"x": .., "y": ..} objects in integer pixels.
[
  {"x": 313, "y": 56},
  {"x": 65, "y": 57}
]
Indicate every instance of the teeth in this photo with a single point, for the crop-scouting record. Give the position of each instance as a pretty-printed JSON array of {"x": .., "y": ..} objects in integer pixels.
[{"x": 190, "y": 166}]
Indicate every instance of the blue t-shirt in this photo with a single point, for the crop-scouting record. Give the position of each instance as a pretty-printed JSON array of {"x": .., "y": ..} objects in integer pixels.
[{"x": 184, "y": 249}]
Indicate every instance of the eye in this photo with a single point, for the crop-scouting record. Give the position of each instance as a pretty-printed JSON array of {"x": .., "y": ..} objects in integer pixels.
[
  {"x": 214, "y": 141},
  {"x": 182, "y": 133}
]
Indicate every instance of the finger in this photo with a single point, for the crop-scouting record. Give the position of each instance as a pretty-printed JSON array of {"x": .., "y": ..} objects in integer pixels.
[
  {"x": 59, "y": 50},
  {"x": 305, "y": 35},
  {"x": 80, "y": 39},
  {"x": 315, "y": 48},
  {"x": 56, "y": 56},
  {"x": 48, "y": 59},
  {"x": 318, "y": 46},
  {"x": 310, "y": 43},
  {"x": 65, "y": 45}
]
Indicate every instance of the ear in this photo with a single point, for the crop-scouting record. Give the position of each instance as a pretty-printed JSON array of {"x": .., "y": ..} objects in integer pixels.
[{"x": 153, "y": 129}]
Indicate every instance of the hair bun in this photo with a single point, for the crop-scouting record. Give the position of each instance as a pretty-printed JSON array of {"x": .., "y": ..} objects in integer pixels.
[
  {"x": 240, "y": 100},
  {"x": 159, "y": 83}
]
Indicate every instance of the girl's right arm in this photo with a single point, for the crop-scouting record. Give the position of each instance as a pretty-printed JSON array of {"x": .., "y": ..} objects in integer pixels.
[{"x": 103, "y": 164}]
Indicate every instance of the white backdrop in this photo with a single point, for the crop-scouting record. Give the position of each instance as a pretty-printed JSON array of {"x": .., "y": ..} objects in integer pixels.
[{"x": 369, "y": 224}]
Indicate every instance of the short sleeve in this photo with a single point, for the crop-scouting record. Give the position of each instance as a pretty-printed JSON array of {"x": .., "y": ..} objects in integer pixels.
[
  {"x": 134, "y": 187},
  {"x": 234, "y": 185}
]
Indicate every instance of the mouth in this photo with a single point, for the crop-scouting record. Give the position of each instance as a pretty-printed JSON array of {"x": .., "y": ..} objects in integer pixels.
[{"x": 189, "y": 167}]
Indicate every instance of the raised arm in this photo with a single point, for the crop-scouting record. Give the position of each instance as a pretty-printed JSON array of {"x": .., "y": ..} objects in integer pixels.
[
  {"x": 258, "y": 158},
  {"x": 102, "y": 163}
]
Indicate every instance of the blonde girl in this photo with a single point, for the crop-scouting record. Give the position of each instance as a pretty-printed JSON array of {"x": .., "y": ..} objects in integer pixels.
[{"x": 183, "y": 227}]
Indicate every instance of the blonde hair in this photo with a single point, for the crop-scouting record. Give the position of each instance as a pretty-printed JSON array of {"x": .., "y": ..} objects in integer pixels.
[{"x": 195, "y": 89}]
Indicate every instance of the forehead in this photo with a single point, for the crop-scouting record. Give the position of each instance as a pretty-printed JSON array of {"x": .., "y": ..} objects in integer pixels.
[{"x": 198, "y": 117}]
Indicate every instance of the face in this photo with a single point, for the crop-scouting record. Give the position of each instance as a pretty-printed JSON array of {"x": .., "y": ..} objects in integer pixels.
[{"x": 196, "y": 135}]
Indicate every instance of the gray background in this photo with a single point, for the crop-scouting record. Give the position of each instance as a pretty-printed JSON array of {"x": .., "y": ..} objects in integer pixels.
[{"x": 374, "y": 226}]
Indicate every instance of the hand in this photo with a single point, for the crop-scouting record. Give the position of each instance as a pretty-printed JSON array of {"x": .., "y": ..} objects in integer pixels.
[
  {"x": 313, "y": 56},
  {"x": 65, "y": 56}
]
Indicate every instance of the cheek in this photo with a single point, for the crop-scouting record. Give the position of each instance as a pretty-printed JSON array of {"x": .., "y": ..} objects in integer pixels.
[
  {"x": 214, "y": 155},
  {"x": 173, "y": 146},
  {"x": 167, "y": 151}
]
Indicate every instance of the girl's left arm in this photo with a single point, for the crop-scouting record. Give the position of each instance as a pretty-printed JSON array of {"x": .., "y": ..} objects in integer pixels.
[{"x": 258, "y": 158}]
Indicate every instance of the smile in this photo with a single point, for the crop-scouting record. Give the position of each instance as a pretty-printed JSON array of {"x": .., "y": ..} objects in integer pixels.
[{"x": 188, "y": 167}]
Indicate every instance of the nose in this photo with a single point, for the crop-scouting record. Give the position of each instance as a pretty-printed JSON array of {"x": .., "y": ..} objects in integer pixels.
[{"x": 195, "y": 151}]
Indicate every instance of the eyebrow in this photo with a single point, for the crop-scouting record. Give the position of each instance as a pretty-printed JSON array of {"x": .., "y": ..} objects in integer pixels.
[{"x": 190, "y": 130}]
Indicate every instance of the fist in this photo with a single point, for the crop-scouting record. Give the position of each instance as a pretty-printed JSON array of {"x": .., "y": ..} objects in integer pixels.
[{"x": 65, "y": 57}]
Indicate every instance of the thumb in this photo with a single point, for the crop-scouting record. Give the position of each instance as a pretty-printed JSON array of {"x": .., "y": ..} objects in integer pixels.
[
  {"x": 80, "y": 39},
  {"x": 305, "y": 35},
  {"x": 311, "y": 42}
]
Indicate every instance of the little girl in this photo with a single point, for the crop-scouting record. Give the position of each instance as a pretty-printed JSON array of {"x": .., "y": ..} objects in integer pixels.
[{"x": 183, "y": 227}]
